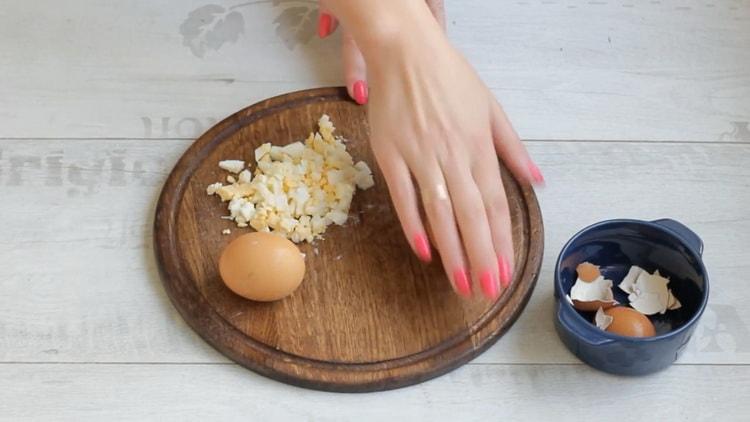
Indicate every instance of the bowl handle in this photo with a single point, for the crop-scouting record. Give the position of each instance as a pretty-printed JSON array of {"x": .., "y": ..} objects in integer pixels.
[
  {"x": 688, "y": 236},
  {"x": 587, "y": 334}
]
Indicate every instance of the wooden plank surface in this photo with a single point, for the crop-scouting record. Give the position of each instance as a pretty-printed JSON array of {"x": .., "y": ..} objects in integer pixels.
[
  {"x": 611, "y": 69},
  {"x": 472, "y": 393},
  {"x": 99, "y": 99},
  {"x": 83, "y": 286}
]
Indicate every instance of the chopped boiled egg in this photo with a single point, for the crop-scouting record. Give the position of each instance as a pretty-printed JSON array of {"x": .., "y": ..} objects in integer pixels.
[
  {"x": 232, "y": 166},
  {"x": 212, "y": 188},
  {"x": 297, "y": 190}
]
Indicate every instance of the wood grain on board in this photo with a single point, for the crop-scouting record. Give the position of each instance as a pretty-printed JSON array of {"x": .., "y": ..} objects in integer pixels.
[
  {"x": 369, "y": 315},
  {"x": 623, "y": 70}
]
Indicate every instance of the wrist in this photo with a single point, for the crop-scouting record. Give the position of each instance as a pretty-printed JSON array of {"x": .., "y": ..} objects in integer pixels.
[{"x": 385, "y": 26}]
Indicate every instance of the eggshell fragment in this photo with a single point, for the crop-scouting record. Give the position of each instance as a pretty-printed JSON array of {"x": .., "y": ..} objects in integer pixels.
[
  {"x": 590, "y": 296},
  {"x": 648, "y": 293},
  {"x": 602, "y": 320},
  {"x": 673, "y": 303},
  {"x": 588, "y": 271}
]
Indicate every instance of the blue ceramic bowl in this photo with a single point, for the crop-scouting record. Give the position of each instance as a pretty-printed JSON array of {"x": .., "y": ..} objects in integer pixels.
[{"x": 615, "y": 245}]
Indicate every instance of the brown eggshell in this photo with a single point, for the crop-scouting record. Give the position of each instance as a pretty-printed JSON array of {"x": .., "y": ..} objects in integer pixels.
[
  {"x": 262, "y": 266},
  {"x": 588, "y": 272},
  {"x": 593, "y": 305},
  {"x": 629, "y": 322}
]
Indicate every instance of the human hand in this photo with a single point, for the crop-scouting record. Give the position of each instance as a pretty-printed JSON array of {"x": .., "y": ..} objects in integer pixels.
[
  {"x": 432, "y": 119},
  {"x": 355, "y": 69}
]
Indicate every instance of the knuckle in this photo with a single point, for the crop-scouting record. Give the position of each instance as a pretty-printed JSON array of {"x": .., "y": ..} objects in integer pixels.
[
  {"x": 382, "y": 153},
  {"x": 471, "y": 210},
  {"x": 400, "y": 192},
  {"x": 497, "y": 204},
  {"x": 445, "y": 150},
  {"x": 448, "y": 252},
  {"x": 441, "y": 210}
]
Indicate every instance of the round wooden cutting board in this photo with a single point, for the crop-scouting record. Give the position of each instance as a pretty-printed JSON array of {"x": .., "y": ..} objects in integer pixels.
[{"x": 369, "y": 315}]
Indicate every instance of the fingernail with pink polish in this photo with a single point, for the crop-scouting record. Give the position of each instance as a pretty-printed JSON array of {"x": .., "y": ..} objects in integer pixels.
[
  {"x": 461, "y": 282},
  {"x": 506, "y": 275},
  {"x": 536, "y": 174},
  {"x": 489, "y": 285},
  {"x": 360, "y": 92},
  {"x": 325, "y": 22},
  {"x": 422, "y": 246}
]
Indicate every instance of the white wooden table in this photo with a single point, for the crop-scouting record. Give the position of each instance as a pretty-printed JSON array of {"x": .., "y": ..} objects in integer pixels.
[{"x": 632, "y": 108}]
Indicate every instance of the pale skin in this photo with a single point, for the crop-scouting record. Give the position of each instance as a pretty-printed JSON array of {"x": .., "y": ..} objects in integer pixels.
[{"x": 436, "y": 132}]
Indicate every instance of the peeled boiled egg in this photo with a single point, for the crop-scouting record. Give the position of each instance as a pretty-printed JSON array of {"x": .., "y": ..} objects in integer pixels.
[
  {"x": 625, "y": 322},
  {"x": 262, "y": 266}
]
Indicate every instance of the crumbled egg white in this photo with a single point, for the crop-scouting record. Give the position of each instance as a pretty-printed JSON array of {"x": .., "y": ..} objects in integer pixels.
[
  {"x": 245, "y": 176},
  {"x": 212, "y": 188},
  {"x": 299, "y": 189},
  {"x": 232, "y": 166}
]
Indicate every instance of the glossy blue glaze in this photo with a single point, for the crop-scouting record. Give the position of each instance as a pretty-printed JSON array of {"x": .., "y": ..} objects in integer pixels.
[{"x": 615, "y": 245}]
